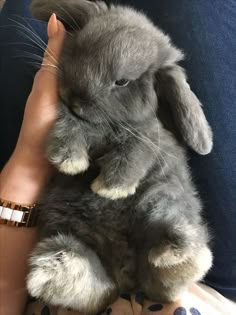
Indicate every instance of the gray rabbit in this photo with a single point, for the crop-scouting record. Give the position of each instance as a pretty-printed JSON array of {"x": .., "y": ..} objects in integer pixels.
[{"x": 130, "y": 217}]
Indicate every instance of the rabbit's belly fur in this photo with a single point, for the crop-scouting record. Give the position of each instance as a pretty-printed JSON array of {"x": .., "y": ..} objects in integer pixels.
[{"x": 154, "y": 240}]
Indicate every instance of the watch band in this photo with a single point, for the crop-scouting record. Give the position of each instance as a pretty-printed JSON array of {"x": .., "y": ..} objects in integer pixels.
[{"x": 14, "y": 214}]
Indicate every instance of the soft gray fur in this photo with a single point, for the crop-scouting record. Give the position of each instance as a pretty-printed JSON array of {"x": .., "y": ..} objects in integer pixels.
[{"x": 132, "y": 219}]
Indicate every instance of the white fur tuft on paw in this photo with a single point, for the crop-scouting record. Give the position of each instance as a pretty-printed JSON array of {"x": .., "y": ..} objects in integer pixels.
[
  {"x": 167, "y": 258},
  {"x": 203, "y": 259},
  {"x": 99, "y": 188},
  {"x": 68, "y": 279},
  {"x": 74, "y": 166}
]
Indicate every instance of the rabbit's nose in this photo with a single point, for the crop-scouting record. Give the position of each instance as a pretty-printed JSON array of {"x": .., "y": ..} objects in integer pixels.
[
  {"x": 80, "y": 106},
  {"x": 78, "y": 110}
]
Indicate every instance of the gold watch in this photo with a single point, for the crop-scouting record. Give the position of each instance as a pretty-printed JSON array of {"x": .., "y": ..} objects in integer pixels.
[{"x": 14, "y": 214}]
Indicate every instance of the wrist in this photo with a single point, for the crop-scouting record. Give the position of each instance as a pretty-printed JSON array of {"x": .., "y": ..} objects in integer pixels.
[{"x": 24, "y": 177}]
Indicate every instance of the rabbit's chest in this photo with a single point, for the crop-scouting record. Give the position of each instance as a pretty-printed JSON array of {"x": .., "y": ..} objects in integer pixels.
[{"x": 102, "y": 140}]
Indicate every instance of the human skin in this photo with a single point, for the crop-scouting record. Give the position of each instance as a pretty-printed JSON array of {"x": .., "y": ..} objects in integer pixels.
[{"x": 26, "y": 173}]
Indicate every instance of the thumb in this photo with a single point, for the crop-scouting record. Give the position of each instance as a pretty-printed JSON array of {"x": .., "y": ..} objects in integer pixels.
[
  {"x": 56, "y": 34},
  {"x": 47, "y": 80}
]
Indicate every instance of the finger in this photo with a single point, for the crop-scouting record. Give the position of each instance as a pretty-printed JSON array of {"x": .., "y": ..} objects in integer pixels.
[
  {"x": 56, "y": 34},
  {"x": 46, "y": 78}
]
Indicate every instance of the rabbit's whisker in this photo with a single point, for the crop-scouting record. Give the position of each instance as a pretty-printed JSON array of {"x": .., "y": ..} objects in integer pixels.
[
  {"x": 35, "y": 38},
  {"x": 70, "y": 16}
]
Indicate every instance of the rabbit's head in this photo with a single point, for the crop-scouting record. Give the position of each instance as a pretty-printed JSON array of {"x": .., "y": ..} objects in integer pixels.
[{"x": 114, "y": 65}]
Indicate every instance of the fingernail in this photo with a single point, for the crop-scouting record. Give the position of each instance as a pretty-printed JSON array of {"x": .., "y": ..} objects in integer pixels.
[{"x": 52, "y": 26}]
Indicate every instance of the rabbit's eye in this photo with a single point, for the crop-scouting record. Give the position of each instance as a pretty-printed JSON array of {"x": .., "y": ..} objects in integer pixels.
[{"x": 122, "y": 82}]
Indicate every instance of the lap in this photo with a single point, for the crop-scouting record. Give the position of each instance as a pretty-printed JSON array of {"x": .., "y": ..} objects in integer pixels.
[{"x": 200, "y": 300}]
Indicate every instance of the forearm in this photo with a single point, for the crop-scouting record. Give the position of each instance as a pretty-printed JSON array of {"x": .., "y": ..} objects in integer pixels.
[
  {"x": 24, "y": 177},
  {"x": 15, "y": 246},
  {"x": 20, "y": 182}
]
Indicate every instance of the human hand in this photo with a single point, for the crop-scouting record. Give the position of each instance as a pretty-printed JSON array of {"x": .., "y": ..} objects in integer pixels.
[
  {"x": 27, "y": 171},
  {"x": 41, "y": 107}
]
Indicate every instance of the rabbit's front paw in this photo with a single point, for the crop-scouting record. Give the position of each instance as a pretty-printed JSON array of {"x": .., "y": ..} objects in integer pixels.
[
  {"x": 72, "y": 166},
  {"x": 68, "y": 161},
  {"x": 112, "y": 193}
]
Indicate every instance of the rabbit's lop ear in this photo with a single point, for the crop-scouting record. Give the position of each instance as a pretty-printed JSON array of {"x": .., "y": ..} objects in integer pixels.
[
  {"x": 186, "y": 109},
  {"x": 74, "y": 14}
]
